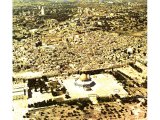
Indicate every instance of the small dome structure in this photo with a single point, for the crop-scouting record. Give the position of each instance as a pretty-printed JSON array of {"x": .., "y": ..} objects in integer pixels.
[{"x": 130, "y": 50}]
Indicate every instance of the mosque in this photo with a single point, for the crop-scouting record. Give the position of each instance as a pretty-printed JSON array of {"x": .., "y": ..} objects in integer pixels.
[{"x": 84, "y": 81}]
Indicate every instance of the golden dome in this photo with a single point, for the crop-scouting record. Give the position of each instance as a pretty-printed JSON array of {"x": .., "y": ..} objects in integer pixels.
[{"x": 84, "y": 77}]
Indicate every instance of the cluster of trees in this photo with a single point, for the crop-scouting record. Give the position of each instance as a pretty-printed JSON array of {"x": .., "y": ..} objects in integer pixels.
[{"x": 81, "y": 103}]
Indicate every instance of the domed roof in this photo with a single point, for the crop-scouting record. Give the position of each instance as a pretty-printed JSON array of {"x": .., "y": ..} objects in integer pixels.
[
  {"x": 84, "y": 77},
  {"x": 130, "y": 50}
]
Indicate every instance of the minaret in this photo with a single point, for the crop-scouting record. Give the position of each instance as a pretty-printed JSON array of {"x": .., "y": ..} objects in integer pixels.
[{"x": 42, "y": 11}]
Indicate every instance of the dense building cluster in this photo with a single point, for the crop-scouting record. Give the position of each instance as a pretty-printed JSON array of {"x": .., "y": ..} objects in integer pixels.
[
  {"x": 105, "y": 41},
  {"x": 90, "y": 36}
]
